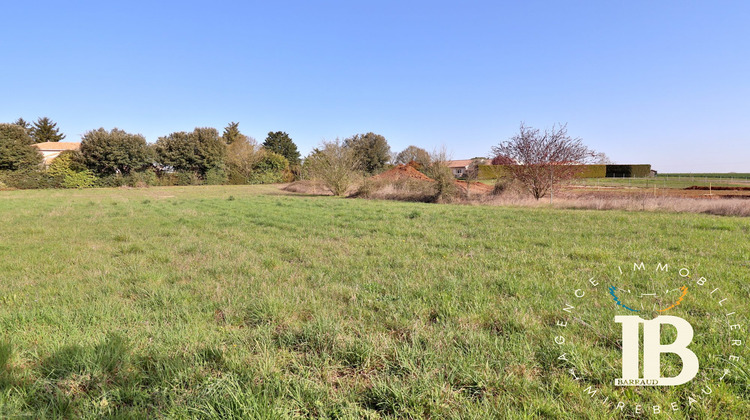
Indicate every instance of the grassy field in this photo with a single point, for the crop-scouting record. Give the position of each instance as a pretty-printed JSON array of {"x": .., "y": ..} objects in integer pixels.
[
  {"x": 246, "y": 302},
  {"x": 736, "y": 175}
]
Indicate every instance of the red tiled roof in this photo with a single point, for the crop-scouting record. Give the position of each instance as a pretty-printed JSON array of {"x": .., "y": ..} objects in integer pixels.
[{"x": 459, "y": 163}]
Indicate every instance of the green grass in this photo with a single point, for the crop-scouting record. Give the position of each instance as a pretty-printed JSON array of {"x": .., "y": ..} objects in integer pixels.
[
  {"x": 244, "y": 302},
  {"x": 725, "y": 175}
]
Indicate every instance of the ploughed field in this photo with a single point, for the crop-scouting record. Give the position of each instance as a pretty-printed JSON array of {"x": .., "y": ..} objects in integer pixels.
[{"x": 249, "y": 302}]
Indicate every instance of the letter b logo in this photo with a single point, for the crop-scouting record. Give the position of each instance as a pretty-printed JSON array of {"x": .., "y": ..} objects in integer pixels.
[{"x": 653, "y": 349}]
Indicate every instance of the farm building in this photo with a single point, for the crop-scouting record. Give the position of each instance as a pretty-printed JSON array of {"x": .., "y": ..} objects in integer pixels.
[{"x": 52, "y": 149}]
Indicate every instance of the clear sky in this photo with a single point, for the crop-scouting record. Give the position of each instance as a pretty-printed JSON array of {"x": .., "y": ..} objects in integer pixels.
[{"x": 660, "y": 82}]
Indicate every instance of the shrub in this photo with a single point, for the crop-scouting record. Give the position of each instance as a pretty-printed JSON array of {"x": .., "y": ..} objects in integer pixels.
[
  {"x": 269, "y": 169},
  {"x": 445, "y": 182},
  {"x": 112, "y": 181},
  {"x": 501, "y": 185},
  {"x": 272, "y": 162},
  {"x": 403, "y": 189},
  {"x": 266, "y": 178},
  {"x": 83, "y": 179},
  {"x": 334, "y": 164},
  {"x": 216, "y": 176},
  {"x": 166, "y": 179},
  {"x": 367, "y": 188},
  {"x": 188, "y": 178},
  {"x": 26, "y": 179},
  {"x": 236, "y": 177},
  {"x": 68, "y": 171},
  {"x": 294, "y": 173},
  {"x": 141, "y": 179},
  {"x": 307, "y": 186}
]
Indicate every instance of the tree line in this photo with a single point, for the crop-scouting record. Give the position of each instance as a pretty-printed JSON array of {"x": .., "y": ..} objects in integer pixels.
[
  {"x": 537, "y": 160},
  {"x": 202, "y": 156}
]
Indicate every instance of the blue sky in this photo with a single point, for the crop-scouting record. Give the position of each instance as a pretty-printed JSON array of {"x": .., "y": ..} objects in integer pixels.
[{"x": 666, "y": 83}]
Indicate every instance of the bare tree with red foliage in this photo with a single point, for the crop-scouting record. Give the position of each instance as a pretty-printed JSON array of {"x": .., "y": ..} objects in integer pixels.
[{"x": 543, "y": 159}]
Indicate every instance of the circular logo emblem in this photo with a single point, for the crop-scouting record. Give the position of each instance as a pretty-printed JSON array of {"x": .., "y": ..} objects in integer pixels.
[{"x": 651, "y": 339}]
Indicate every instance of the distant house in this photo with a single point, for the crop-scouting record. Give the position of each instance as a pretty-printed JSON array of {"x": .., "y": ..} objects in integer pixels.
[
  {"x": 52, "y": 149},
  {"x": 459, "y": 167}
]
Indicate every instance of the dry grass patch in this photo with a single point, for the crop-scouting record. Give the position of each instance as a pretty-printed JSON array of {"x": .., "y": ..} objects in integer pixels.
[
  {"x": 308, "y": 187},
  {"x": 720, "y": 207}
]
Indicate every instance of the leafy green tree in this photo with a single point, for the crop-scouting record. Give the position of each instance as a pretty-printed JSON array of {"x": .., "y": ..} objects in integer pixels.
[
  {"x": 45, "y": 130},
  {"x": 115, "y": 152},
  {"x": 413, "y": 154},
  {"x": 280, "y": 142},
  {"x": 370, "y": 150},
  {"x": 232, "y": 133},
  {"x": 197, "y": 152},
  {"x": 16, "y": 150}
]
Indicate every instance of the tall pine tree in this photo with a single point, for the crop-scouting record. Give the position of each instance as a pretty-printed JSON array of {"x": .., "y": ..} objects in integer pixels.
[
  {"x": 22, "y": 123},
  {"x": 231, "y": 133},
  {"x": 280, "y": 142},
  {"x": 45, "y": 130}
]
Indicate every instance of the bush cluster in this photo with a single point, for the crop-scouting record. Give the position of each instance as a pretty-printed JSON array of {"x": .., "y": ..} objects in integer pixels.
[{"x": 115, "y": 158}]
